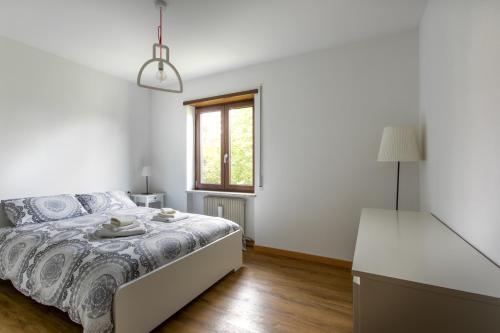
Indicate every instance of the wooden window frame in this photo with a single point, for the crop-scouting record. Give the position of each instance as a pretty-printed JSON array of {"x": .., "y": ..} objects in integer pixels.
[{"x": 225, "y": 185}]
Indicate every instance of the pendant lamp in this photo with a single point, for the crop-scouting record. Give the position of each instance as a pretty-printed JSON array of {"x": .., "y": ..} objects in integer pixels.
[{"x": 161, "y": 61}]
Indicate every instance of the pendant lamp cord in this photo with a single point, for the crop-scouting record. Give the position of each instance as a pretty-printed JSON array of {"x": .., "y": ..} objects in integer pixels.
[{"x": 160, "y": 32}]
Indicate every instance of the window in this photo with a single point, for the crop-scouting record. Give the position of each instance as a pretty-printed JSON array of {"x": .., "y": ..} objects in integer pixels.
[{"x": 225, "y": 147}]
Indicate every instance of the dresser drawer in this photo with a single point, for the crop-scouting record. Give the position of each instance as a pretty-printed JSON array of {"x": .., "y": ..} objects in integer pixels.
[{"x": 154, "y": 198}]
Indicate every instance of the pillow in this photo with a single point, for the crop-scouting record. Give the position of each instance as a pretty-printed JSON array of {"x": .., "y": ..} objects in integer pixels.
[
  {"x": 105, "y": 201},
  {"x": 42, "y": 209}
]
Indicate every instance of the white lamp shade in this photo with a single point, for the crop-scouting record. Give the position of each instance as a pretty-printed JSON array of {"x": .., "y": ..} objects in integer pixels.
[
  {"x": 146, "y": 171},
  {"x": 399, "y": 144}
]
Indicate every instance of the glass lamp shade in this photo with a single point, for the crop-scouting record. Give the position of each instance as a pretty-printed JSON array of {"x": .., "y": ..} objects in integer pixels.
[{"x": 160, "y": 75}]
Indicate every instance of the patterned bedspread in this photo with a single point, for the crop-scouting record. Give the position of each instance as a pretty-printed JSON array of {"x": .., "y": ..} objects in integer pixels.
[{"x": 61, "y": 264}]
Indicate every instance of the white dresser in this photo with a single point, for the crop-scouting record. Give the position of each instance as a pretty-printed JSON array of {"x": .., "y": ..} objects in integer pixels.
[{"x": 413, "y": 274}]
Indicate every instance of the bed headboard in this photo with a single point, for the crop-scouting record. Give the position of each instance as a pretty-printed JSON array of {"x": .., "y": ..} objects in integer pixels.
[{"x": 4, "y": 221}]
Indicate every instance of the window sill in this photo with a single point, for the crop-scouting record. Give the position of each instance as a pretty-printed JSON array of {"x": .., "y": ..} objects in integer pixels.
[{"x": 224, "y": 194}]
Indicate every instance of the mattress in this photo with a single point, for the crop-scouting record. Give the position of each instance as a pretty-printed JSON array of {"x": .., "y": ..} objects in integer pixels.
[{"x": 62, "y": 264}]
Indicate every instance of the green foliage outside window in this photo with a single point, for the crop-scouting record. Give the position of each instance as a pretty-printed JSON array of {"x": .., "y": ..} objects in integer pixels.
[
  {"x": 241, "y": 146},
  {"x": 210, "y": 138}
]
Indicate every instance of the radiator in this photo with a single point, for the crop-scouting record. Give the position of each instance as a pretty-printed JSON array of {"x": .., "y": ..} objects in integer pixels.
[{"x": 232, "y": 209}]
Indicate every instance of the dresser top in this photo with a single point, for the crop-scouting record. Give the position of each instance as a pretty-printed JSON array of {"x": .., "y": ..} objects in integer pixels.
[{"x": 416, "y": 247}]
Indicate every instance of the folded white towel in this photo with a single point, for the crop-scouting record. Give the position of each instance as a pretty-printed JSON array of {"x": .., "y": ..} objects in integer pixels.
[
  {"x": 105, "y": 233},
  {"x": 122, "y": 220},
  {"x": 114, "y": 228},
  {"x": 175, "y": 218},
  {"x": 168, "y": 211}
]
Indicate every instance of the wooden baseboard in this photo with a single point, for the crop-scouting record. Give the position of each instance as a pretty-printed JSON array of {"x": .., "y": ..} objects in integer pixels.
[
  {"x": 249, "y": 242},
  {"x": 304, "y": 256}
]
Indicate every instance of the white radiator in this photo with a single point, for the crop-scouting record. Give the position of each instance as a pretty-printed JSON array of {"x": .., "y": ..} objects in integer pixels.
[{"x": 232, "y": 209}]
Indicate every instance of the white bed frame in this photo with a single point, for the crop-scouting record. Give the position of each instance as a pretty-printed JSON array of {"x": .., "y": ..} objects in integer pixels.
[{"x": 144, "y": 303}]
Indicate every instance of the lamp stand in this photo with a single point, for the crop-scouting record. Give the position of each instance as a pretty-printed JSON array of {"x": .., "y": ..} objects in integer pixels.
[
  {"x": 147, "y": 184},
  {"x": 397, "y": 190}
]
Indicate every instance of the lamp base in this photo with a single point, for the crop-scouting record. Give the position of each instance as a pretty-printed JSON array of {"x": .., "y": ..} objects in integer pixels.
[{"x": 397, "y": 189}]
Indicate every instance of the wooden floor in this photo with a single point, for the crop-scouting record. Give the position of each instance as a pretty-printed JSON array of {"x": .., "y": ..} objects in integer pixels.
[{"x": 269, "y": 294}]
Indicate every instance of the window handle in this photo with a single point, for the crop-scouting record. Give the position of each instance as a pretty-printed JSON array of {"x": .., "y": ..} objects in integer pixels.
[{"x": 226, "y": 155}]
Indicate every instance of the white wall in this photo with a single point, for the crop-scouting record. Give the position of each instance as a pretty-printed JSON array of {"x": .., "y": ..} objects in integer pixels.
[
  {"x": 323, "y": 115},
  {"x": 65, "y": 128},
  {"x": 460, "y": 99}
]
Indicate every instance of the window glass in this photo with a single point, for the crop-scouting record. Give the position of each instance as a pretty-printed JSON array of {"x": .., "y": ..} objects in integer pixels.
[
  {"x": 210, "y": 147},
  {"x": 241, "y": 146}
]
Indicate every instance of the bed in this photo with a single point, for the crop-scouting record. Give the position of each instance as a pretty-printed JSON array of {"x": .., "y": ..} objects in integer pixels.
[{"x": 128, "y": 284}]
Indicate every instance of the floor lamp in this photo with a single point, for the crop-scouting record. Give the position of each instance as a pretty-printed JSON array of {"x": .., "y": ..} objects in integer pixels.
[{"x": 399, "y": 144}]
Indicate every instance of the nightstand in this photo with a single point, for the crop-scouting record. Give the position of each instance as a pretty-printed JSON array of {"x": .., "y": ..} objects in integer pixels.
[{"x": 148, "y": 199}]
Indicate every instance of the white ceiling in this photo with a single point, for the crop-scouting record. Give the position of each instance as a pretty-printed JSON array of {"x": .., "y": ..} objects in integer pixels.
[{"x": 204, "y": 36}]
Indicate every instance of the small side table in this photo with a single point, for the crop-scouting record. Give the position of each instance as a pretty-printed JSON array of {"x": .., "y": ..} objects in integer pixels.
[{"x": 148, "y": 199}]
